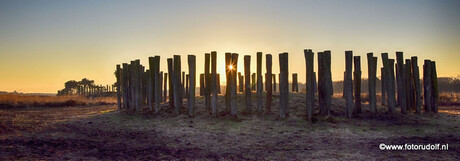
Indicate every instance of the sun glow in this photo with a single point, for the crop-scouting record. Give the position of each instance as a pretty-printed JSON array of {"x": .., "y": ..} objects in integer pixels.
[{"x": 230, "y": 67}]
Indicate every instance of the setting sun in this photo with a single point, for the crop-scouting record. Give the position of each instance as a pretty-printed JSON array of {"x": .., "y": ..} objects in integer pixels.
[{"x": 230, "y": 67}]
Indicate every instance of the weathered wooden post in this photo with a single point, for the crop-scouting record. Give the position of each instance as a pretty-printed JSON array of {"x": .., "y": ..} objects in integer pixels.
[
  {"x": 137, "y": 82},
  {"x": 125, "y": 86},
  {"x": 401, "y": 89},
  {"x": 253, "y": 82},
  {"x": 427, "y": 91},
  {"x": 392, "y": 91},
  {"x": 434, "y": 87},
  {"x": 240, "y": 82},
  {"x": 388, "y": 82},
  {"x": 408, "y": 85},
  {"x": 183, "y": 94},
  {"x": 228, "y": 61},
  {"x": 247, "y": 84},
  {"x": 161, "y": 86},
  {"x": 214, "y": 83},
  {"x": 325, "y": 82},
  {"x": 274, "y": 82},
  {"x": 119, "y": 77},
  {"x": 284, "y": 84},
  {"x": 141, "y": 85},
  {"x": 150, "y": 91},
  {"x": 295, "y": 85},
  {"x": 348, "y": 83},
  {"x": 233, "y": 97},
  {"x": 383, "y": 86},
  {"x": 171, "y": 74},
  {"x": 156, "y": 68},
  {"x": 268, "y": 82},
  {"x": 202, "y": 84},
  {"x": 309, "y": 95},
  {"x": 357, "y": 85},
  {"x": 259, "y": 81},
  {"x": 186, "y": 86},
  {"x": 218, "y": 83},
  {"x": 165, "y": 80},
  {"x": 372, "y": 77},
  {"x": 192, "y": 79},
  {"x": 207, "y": 81},
  {"x": 177, "y": 84}
]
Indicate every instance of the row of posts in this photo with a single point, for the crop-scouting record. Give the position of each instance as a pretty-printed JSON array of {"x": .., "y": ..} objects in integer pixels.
[{"x": 138, "y": 87}]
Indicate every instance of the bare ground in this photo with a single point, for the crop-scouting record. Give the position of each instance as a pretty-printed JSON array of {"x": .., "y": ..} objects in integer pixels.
[{"x": 104, "y": 133}]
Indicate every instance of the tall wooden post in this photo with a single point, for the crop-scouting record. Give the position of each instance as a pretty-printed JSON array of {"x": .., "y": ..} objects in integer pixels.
[
  {"x": 325, "y": 82},
  {"x": 434, "y": 87},
  {"x": 401, "y": 89},
  {"x": 150, "y": 91},
  {"x": 383, "y": 85},
  {"x": 171, "y": 74},
  {"x": 177, "y": 84},
  {"x": 388, "y": 82},
  {"x": 268, "y": 82},
  {"x": 408, "y": 85},
  {"x": 247, "y": 84},
  {"x": 259, "y": 81},
  {"x": 137, "y": 82},
  {"x": 119, "y": 76},
  {"x": 233, "y": 97},
  {"x": 228, "y": 60},
  {"x": 207, "y": 81},
  {"x": 391, "y": 76},
  {"x": 372, "y": 77},
  {"x": 192, "y": 79},
  {"x": 214, "y": 83},
  {"x": 284, "y": 84},
  {"x": 357, "y": 85},
  {"x": 348, "y": 83},
  {"x": 157, "y": 88},
  {"x": 427, "y": 90},
  {"x": 309, "y": 95},
  {"x": 125, "y": 86}
]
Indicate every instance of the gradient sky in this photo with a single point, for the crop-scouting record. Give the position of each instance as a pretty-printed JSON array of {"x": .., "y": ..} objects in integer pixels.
[{"x": 44, "y": 43}]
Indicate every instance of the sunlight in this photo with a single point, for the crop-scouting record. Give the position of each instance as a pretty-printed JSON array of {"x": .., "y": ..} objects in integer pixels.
[{"x": 230, "y": 67}]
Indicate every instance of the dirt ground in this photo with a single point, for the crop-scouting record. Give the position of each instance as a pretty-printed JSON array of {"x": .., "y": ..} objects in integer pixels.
[{"x": 104, "y": 133}]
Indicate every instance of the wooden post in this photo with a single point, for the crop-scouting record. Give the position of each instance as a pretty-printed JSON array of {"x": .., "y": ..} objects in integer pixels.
[
  {"x": 427, "y": 91},
  {"x": 214, "y": 83},
  {"x": 348, "y": 83},
  {"x": 325, "y": 82},
  {"x": 192, "y": 78},
  {"x": 218, "y": 83},
  {"x": 309, "y": 95},
  {"x": 187, "y": 86},
  {"x": 274, "y": 82},
  {"x": 118, "y": 76},
  {"x": 161, "y": 85},
  {"x": 357, "y": 85},
  {"x": 207, "y": 81},
  {"x": 202, "y": 84},
  {"x": 268, "y": 82},
  {"x": 434, "y": 87},
  {"x": 383, "y": 85},
  {"x": 233, "y": 97},
  {"x": 259, "y": 82},
  {"x": 171, "y": 74},
  {"x": 228, "y": 60},
  {"x": 125, "y": 86},
  {"x": 401, "y": 89},
  {"x": 372, "y": 76},
  {"x": 388, "y": 82},
  {"x": 177, "y": 84},
  {"x": 240, "y": 82},
  {"x": 157, "y": 88},
  {"x": 137, "y": 83},
  {"x": 294, "y": 83},
  {"x": 165, "y": 80},
  {"x": 150, "y": 93},
  {"x": 408, "y": 85},
  {"x": 183, "y": 94},
  {"x": 247, "y": 73},
  {"x": 284, "y": 84},
  {"x": 392, "y": 92}
]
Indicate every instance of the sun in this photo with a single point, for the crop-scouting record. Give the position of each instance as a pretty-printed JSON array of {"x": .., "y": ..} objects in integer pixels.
[{"x": 230, "y": 67}]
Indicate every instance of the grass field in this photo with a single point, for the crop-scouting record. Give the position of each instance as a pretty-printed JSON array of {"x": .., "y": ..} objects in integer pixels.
[
  {"x": 21, "y": 101},
  {"x": 103, "y": 132}
]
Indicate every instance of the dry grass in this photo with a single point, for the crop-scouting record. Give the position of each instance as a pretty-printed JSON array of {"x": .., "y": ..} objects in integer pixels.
[{"x": 18, "y": 100}]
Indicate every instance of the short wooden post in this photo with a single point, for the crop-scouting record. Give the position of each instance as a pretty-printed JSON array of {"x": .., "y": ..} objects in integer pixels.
[
  {"x": 214, "y": 83},
  {"x": 183, "y": 86},
  {"x": 171, "y": 74},
  {"x": 192, "y": 79},
  {"x": 284, "y": 84},
  {"x": 372, "y": 76},
  {"x": 259, "y": 81},
  {"x": 274, "y": 82},
  {"x": 165, "y": 85},
  {"x": 348, "y": 83},
  {"x": 357, "y": 85},
  {"x": 253, "y": 82},
  {"x": 233, "y": 98},
  {"x": 202, "y": 84},
  {"x": 187, "y": 86},
  {"x": 240, "y": 82},
  {"x": 247, "y": 73},
  {"x": 161, "y": 85},
  {"x": 268, "y": 82},
  {"x": 294, "y": 83},
  {"x": 177, "y": 84},
  {"x": 401, "y": 89},
  {"x": 309, "y": 95},
  {"x": 207, "y": 77},
  {"x": 218, "y": 83},
  {"x": 325, "y": 82}
]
